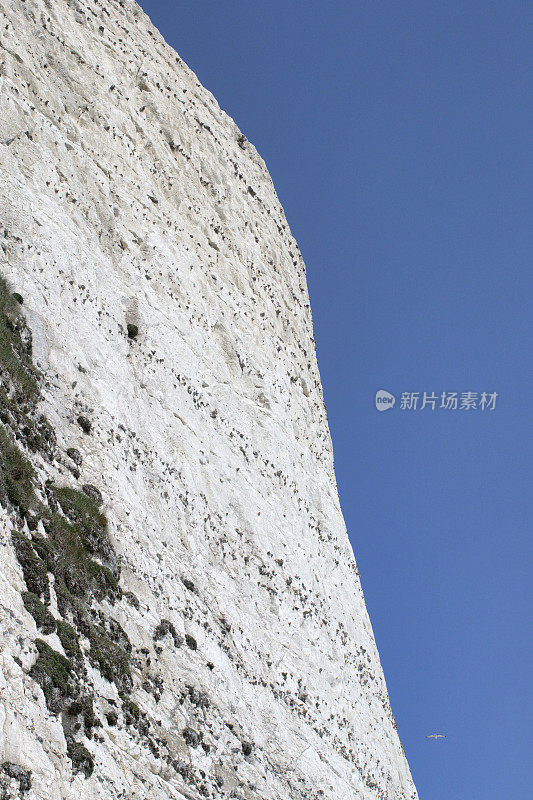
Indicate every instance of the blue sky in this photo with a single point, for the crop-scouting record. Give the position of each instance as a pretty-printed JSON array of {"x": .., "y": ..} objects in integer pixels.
[{"x": 398, "y": 136}]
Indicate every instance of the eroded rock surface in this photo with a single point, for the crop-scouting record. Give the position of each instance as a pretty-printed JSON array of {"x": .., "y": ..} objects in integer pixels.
[{"x": 220, "y": 646}]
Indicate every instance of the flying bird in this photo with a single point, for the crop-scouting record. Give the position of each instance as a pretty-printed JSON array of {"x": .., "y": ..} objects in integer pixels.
[{"x": 436, "y": 736}]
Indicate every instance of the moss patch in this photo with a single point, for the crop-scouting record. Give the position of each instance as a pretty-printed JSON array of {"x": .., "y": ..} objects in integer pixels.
[
  {"x": 134, "y": 716},
  {"x": 84, "y": 708},
  {"x": 16, "y": 475},
  {"x": 166, "y": 627},
  {"x": 18, "y": 773},
  {"x": 67, "y": 556},
  {"x": 20, "y": 380},
  {"x": 84, "y": 514},
  {"x": 33, "y": 567},
  {"x": 53, "y": 672},
  {"x": 112, "y": 660},
  {"x": 69, "y": 640},
  {"x": 43, "y": 619},
  {"x": 16, "y": 348},
  {"x": 74, "y": 548},
  {"x": 82, "y": 760}
]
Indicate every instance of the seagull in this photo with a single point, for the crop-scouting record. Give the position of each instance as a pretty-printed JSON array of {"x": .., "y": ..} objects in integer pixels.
[{"x": 436, "y": 736}]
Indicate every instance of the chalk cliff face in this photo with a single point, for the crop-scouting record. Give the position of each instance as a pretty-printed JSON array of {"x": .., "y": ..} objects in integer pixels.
[{"x": 195, "y": 626}]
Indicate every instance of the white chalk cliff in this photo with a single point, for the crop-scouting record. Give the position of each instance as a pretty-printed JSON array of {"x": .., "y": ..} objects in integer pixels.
[{"x": 129, "y": 198}]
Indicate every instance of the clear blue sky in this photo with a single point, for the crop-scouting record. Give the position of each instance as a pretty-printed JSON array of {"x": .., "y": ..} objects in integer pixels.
[{"x": 399, "y": 138}]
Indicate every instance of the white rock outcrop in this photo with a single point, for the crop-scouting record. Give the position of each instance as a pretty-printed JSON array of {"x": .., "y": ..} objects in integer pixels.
[{"x": 130, "y": 199}]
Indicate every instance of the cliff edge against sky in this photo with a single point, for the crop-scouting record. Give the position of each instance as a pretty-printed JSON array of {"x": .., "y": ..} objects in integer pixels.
[{"x": 181, "y": 613}]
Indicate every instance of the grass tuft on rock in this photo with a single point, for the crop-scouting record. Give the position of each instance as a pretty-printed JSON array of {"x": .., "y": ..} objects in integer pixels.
[
  {"x": 112, "y": 660},
  {"x": 33, "y": 567},
  {"x": 69, "y": 640},
  {"x": 82, "y": 760},
  {"x": 84, "y": 707},
  {"x": 42, "y": 616},
  {"x": 53, "y": 672},
  {"x": 83, "y": 512},
  {"x": 16, "y": 475},
  {"x": 16, "y": 348},
  {"x": 68, "y": 539}
]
